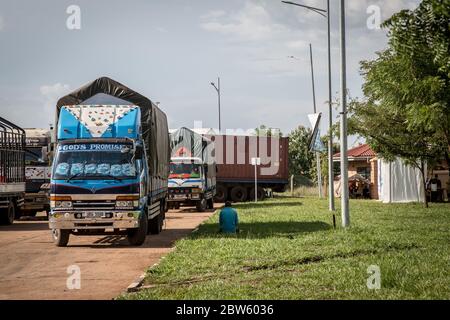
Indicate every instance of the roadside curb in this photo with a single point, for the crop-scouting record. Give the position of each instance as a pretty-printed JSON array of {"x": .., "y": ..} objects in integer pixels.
[{"x": 134, "y": 286}]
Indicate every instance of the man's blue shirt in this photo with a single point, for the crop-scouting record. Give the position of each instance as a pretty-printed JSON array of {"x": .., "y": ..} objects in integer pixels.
[{"x": 228, "y": 220}]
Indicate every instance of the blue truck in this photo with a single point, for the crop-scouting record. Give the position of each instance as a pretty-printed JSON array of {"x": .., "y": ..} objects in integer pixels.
[{"x": 111, "y": 164}]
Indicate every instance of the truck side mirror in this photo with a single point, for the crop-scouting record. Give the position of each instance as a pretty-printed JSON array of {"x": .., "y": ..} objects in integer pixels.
[{"x": 44, "y": 152}]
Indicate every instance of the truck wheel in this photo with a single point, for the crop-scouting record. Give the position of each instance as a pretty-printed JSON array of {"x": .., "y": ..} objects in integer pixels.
[
  {"x": 7, "y": 215},
  {"x": 221, "y": 194},
  {"x": 261, "y": 194},
  {"x": 61, "y": 237},
  {"x": 211, "y": 203},
  {"x": 156, "y": 224},
  {"x": 201, "y": 205},
  {"x": 239, "y": 194},
  {"x": 136, "y": 236}
]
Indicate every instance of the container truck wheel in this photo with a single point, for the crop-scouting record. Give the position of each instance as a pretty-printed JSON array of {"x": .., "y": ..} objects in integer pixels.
[
  {"x": 239, "y": 194},
  {"x": 7, "y": 215},
  {"x": 61, "y": 237},
  {"x": 201, "y": 205},
  {"x": 260, "y": 194},
  {"x": 136, "y": 236},
  {"x": 221, "y": 194}
]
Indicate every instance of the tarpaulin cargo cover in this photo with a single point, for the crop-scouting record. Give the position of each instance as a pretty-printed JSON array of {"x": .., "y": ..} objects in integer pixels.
[{"x": 155, "y": 133}]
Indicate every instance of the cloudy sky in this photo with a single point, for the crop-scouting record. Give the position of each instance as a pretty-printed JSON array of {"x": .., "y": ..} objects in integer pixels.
[{"x": 171, "y": 50}]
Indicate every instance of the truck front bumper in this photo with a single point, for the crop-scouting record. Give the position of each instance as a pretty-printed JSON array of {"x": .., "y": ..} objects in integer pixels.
[
  {"x": 84, "y": 220},
  {"x": 184, "y": 197}
]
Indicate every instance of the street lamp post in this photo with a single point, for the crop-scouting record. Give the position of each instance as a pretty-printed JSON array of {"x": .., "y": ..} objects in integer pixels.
[
  {"x": 218, "y": 98},
  {"x": 330, "y": 107},
  {"x": 344, "y": 160}
]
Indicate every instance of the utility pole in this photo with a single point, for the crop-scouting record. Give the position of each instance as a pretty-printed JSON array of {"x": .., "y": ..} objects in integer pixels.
[
  {"x": 343, "y": 125},
  {"x": 218, "y": 98},
  {"x": 326, "y": 14},
  {"x": 330, "y": 123},
  {"x": 319, "y": 171}
]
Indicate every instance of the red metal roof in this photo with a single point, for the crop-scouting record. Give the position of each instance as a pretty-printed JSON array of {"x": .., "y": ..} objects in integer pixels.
[{"x": 362, "y": 151}]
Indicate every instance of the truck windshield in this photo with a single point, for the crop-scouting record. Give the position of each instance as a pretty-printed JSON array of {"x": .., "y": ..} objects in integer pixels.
[
  {"x": 94, "y": 161},
  {"x": 190, "y": 169}
]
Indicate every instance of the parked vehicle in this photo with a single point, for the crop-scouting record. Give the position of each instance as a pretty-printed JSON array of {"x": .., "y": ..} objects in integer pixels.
[
  {"x": 192, "y": 177},
  {"x": 236, "y": 174},
  {"x": 12, "y": 171},
  {"x": 110, "y": 170},
  {"x": 37, "y": 171}
]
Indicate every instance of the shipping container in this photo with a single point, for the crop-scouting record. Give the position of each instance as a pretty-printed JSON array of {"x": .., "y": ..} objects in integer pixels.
[{"x": 235, "y": 172}]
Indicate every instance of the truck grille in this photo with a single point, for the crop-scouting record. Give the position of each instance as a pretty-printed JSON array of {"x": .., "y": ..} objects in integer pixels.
[
  {"x": 94, "y": 205},
  {"x": 179, "y": 190}
]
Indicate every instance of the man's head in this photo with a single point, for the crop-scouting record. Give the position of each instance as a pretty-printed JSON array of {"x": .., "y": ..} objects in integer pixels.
[
  {"x": 436, "y": 176},
  {"x": 227, "y": 204}
]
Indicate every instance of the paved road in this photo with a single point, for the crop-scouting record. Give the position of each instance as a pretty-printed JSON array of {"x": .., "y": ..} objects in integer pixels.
[{"x": 31, "y": 267}]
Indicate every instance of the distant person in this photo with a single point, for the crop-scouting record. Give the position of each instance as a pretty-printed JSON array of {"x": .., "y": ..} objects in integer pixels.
[
  {"x": 228, "y": 219},
  {"x": 435, "y": 188}
]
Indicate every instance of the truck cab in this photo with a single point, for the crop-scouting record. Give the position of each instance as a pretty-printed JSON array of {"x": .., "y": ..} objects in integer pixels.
[
  {"x": 188, "y": 183},
  {"x": 192, "y": 176},
  {"x": 37, "y": 171}
]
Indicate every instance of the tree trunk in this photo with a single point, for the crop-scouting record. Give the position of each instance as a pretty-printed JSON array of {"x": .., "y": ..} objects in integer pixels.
[{"x": 422, "y": 171}]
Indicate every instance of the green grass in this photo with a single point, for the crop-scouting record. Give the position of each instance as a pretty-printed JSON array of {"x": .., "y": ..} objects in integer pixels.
[{"x": 288, "y": 249}]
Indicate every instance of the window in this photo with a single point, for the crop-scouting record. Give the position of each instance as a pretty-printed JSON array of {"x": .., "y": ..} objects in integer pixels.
[{"x": 364, "y": 171}]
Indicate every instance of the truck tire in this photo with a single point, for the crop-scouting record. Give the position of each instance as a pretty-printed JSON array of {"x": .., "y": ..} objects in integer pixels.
[
  {"x": 155, "y": 225},
  {"x": 136, "y": 236},
  {"x": 201, "y": 205},
  {"x": 221, "y": 194},
  {"x": 61, "y": 237},
  {"x": 238, "y": 194},
  {"x": 261, "y": 194},
  {"x": 211, "y": 203},
  {"x": 7, "y": 215}
]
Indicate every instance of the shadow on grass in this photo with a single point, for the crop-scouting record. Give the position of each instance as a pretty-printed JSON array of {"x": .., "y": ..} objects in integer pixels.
[
  {"x": 260, "y": 230},
  {"x": 265, "y": 204}
]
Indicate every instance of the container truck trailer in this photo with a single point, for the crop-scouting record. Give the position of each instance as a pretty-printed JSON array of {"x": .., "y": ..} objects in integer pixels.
[
  {"x": 192, "y": 177},
  {"x": 111, "y": 165},
  {"x": 235, "y": 172},
  {"x": 12, "y": 170}
]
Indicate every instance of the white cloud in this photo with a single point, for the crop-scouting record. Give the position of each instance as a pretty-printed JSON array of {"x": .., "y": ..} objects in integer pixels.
[
  {"x": 52, "y": 93},
  {"x": 252, "y": 23}
]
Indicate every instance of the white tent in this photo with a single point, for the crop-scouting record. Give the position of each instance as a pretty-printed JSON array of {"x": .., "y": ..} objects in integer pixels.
[{"x": 398, "y": 182}]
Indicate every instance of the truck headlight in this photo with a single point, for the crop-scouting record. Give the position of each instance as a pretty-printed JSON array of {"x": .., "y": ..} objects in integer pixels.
[
  {"x": 124, "y": 204},
  {"x": 63, "y": 204}
]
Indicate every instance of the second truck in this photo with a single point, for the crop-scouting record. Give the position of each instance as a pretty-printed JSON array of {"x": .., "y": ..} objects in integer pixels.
[{"x": 192, "y": 178}]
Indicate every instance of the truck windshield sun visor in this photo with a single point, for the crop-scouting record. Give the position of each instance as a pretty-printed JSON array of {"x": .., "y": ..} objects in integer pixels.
[{"x": 100, "y": 161}]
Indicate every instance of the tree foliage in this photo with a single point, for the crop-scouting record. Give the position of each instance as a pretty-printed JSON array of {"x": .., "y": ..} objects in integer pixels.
[{"x": 301, "y": 160}]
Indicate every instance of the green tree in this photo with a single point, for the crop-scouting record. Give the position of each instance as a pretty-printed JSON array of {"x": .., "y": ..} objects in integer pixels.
[
  {"x": 406, "y": 109},
  {"x": 301, "y": 160}
]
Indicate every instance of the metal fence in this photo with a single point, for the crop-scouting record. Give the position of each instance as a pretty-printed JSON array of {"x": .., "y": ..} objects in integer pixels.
[{"x": 12, "y": 152}]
